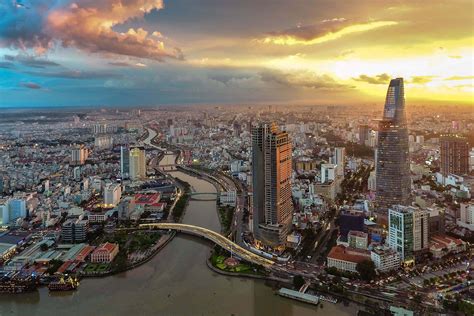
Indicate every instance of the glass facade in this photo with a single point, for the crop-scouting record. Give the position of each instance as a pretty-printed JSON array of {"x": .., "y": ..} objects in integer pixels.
[{"x": 393, "y": 181}]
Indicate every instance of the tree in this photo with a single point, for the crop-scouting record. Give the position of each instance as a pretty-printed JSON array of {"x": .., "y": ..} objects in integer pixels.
[
  {"x": 366, "y": 270},
  {"x": 44, "y": 247},
  {"x": 298, "y": 281}
]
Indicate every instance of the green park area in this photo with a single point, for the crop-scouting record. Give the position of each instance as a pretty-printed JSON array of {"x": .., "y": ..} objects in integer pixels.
[
  {"x": 219, "y": 256},
  {"x": 226, "y": 214},
  {"x": 97, "y": 268}
]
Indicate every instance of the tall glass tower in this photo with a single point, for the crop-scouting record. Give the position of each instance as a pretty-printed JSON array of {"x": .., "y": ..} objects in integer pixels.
[
  {"x": 393, "y": 182},
  {"x": 271, "y": 175}
]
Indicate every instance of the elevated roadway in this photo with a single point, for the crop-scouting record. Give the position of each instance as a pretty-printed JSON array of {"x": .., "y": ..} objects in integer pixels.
[{"x": 216, "y": 238}]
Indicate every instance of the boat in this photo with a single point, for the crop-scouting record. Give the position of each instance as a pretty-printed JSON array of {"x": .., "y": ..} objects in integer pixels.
[
  {"x": 15, "y": 287},
  {"x": 17, "y": 283},
  {"x": 69, "y": 284}
]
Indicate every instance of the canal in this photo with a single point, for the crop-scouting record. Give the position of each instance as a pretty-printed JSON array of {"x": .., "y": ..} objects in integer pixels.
[{"x": 175, "y": 282}]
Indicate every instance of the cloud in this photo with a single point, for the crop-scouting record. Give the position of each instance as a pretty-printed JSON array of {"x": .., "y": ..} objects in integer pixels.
[
  {"x": 378, "y": 79},
  {"x": 85, "y": 24},
  {"x": 75, "y": 74},
  {"x": 302, "y": 79},
  {"x": 127, "y": 64},
  {"x": 6, "y": 65},
  {"x": 30, "y": 85},
  {"x": 459, "y": 78},
  {"x": 31, "y": 61},
  {"x": 421, "y": 79},
  {"x": 324, "y": 31}
]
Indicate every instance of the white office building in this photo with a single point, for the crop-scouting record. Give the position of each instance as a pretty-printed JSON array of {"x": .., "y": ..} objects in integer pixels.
[
  {"x": 385, "y": 259},
  {"x": 328, "y": 172},
  {"x": 466, "y": 218},
  {"x": 112, "y": 194}
]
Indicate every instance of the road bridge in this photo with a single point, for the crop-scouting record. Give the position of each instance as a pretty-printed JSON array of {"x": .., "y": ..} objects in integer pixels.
[{"x": 215, "y": 237}]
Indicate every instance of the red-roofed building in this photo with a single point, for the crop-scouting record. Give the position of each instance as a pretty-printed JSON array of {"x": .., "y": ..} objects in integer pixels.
[
  {"x": 441, "y": 245},
  {"x": 64, "y": 266},
  {"x": 149, "y": 202},
  {"x": 346, "y": 258},
  {"x": 84, "y": 253},
  {"x": 105, "y": 252}
]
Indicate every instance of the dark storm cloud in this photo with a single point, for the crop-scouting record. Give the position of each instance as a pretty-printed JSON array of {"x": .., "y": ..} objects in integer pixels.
[
  {"x": 6, "y": 65},
  {"x": 74, "y": 74},
  {"x": 31, "y": 61}
]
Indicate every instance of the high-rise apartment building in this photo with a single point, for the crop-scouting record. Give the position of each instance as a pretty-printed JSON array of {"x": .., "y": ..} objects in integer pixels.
[
  {"x": 79, "y": 155},
  {"x": 271, "y": 168},
  {"x": 363, "y": 133},
  {"x": 454, "y": 151},
  {"x": 328, "y": 172},
  {"x": 339, "y": 159},
  {"x": 17, "y": 209},
  {"x": 408, "y": 230},
  {"x": 392, "y": 158},
  {"x": 466, "y": 218},
  {"x": 137, "y": 163}
]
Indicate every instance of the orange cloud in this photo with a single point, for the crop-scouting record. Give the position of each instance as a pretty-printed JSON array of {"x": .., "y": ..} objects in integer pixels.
[
  {"x": 88, "y": 25},
  {"x": 324, "y": 31}
]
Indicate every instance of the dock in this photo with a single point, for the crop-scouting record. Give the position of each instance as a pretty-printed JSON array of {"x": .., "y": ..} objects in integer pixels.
[{"x": 302, "y": 297}]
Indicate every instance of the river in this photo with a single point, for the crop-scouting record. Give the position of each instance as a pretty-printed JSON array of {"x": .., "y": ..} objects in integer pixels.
[{"x": 175, "y": 282}]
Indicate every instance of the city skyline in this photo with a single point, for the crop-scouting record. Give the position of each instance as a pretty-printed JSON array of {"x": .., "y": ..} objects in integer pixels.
[
  {"x": 251, "y": 157},
  {"x": 146, "y": 53}
]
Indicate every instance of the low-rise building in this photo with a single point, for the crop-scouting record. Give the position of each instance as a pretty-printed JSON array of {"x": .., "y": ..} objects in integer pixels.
[
  {"x": 385, "y": 259},
  {"x": 441, "y": 245},
  {"x": 228, "y": 198},
  {"x": 346, "y": 258},
  {"x": 358, "y": 239},
  {"x": 105, "y": 253}
]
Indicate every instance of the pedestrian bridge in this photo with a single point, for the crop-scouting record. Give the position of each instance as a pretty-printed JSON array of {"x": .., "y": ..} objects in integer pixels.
[
  {"x": 216, "y": 238},
  {"x": 203, "y": 196}
]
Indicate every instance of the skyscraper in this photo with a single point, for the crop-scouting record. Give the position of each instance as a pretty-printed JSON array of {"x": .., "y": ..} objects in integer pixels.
[
  {"x": 454, "y": 154},
  {"x": 137, "y": 163},
  {"x": 124, "y": 162},
  {"x": 393, "y": 181},
  {"x": 271, "y": 169}
]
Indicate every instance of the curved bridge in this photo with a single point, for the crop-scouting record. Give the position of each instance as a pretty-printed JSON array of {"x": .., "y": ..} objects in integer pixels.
[{"x": 215, "y": 238}]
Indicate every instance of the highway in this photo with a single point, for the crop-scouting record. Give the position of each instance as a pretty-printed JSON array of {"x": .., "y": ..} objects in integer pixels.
[{"x": 214, "y": 237}]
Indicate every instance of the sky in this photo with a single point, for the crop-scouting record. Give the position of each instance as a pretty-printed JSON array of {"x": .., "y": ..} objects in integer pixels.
[{"x": 152, "y": 52}]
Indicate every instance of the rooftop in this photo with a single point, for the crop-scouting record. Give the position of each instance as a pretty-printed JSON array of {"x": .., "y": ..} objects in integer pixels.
[
  {"x": 348, "y": 254},
  {"x": 147, "y": 198}
]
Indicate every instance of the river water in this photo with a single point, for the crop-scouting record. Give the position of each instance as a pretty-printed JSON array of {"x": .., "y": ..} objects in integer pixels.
[{"x": 175, "y": 282}]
